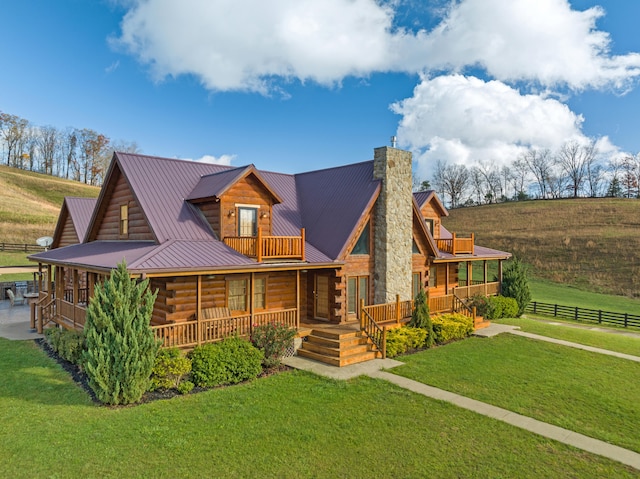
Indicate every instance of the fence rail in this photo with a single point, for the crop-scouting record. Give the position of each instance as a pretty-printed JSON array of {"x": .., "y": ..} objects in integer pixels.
[
  {"x": 25, "y": 248},
  {"x": 583, "y": 314}
]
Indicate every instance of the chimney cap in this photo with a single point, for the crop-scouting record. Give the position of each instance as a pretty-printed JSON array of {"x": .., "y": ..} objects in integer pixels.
[{"x": 394, "y": 140}]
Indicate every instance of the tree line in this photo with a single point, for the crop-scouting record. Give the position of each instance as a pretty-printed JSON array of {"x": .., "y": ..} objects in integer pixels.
[
  {"x": 574, "y": 170},
  {"x": 80, "y": 154}
]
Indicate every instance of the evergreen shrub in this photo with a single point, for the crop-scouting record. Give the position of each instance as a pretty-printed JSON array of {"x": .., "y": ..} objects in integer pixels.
[
  {"x": 515, "y": 284},
  {"x": 450, "y": 326},
  {"x": 401, "y": 340},
  {"x": 120, "y": 346},
  {"x": 229, "y": 361},
  {"x": 170, "y": 369},
  {"x": 67, "y": 343},
  {"x": 420, "y": 317},
  {"x": 502, "y": 307}
]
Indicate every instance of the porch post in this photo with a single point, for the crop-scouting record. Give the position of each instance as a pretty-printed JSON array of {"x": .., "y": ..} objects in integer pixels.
[
  {"x": 298, "y": 290},
  {"x": 251, "y": 286},
  {"x": 500, "y": 276},
  {"x": 259, "y": 246},
  {"x": 302, "y": 239},
  {"x": 199, "y": 309},
  {"x": 49, "y": 282},
  {"x": 361, "y": 314},
  {"x": 469, "y": 277},
  {"x": 485, "y": 276},
  {"x": 446, "y": 278},
  {"x": 75, "y": 294}
]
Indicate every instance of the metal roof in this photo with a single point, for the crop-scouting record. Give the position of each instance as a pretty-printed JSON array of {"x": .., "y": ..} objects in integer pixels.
[{"x": 80, "y": 210}]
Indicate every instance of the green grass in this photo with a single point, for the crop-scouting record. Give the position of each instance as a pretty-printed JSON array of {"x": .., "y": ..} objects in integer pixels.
[
  {"x": 609, "y": 341},
  {"x": 14, "y": 259},
  {"x": 294, "y": 424},
  {"x": 586, "y": 392},
  {"x": 567, "y": 295}
]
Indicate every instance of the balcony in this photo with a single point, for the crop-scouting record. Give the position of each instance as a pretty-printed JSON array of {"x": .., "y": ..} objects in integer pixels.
[
  {"x": 456, "y": 245},
  {"x": 268, "y": 247}
]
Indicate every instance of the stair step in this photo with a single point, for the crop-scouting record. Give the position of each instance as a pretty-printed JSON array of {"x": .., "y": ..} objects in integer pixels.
[
  {"x": 335, "y": 334},
  {"x": 339, "y": 351},
  {"x": 334, "y": 343},
  {"x": 342, "y": 361}
]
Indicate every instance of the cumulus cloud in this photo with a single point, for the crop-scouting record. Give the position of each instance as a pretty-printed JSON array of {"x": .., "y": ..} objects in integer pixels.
[
  {"x": 216, "y": 160},
  {"x": 465, "y": 119},
  {"x": 232, "y": 45}
]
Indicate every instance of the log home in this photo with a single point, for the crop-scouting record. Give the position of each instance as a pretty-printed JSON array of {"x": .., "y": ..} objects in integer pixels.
[{"x": 334, "y": 253}]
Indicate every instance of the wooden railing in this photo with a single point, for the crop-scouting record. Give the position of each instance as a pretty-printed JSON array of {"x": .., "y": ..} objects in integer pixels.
[
  {"x": 46, "y": 313},
  {"x": 268, "y": 247},
  {"x": 485, "y": 289},
  {"x": 83, "y": 295},
  {"x": 382, "y": 313},
  {"x": 440, "y": 304},
  {"x": 189, "y": 334},
  {"x": 459, "y": 306},
  {"x": 456, "y": 245},
  {"x": 72, "y": 314},
  {"x": 376, "y": 333}
]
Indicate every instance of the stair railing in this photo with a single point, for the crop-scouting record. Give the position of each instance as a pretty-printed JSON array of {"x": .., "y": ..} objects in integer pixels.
[
  {"x": 376, "y": 333},
  {"x": 459, "y": 306}
]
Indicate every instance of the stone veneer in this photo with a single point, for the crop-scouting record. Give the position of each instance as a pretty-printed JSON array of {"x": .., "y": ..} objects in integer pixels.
[{"x": 393, "y": 225}]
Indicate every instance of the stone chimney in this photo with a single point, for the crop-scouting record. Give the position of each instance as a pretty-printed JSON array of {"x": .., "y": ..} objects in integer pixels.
[{"x": 393, "y": 225}]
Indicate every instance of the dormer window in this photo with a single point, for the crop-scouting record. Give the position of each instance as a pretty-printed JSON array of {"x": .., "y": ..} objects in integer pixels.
[
  {"x": 247, "y": 221},
  {"x": 429, "y": 225},
  {"x": 124, "y": 220},
  {"x": 362, "y": 245}
]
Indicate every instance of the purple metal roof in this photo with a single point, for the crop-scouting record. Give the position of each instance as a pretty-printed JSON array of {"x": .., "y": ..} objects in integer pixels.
[
  {"x": 286, "y": 219},
  {"x": 332, "y": 202},
  {"x": 80, "y": 210},
  {"x": 480, "y": 252},
  {"x": 97, "y": 254},
  {"x": 216, "y": 183}
]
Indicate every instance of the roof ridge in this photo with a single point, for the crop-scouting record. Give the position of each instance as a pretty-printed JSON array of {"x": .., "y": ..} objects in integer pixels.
[
  {"x": 164, "y": 158},
  {"x": 333, "y": 168}
]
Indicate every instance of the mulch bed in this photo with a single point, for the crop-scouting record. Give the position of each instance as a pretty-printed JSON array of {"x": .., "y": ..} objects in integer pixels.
[{"x": 81, "y": 379}]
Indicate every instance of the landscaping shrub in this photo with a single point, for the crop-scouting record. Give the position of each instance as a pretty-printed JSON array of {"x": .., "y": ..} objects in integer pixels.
[
  {"x": 401, "y": 340},
  {"x": 67, "y": 343},
  {"x": 228, "y": 362},
  {"x": 420, "y": 317},
  {"x": 502, "y": 307},
  {"x": 120, "y": 346},
  {"x": 273, "y": 339},
  {"x": 515, "y": 284},
  {"x": 450, "y": 326},
  {"x": 482, "y": 305},
  {"x": 169, "y": 370}
]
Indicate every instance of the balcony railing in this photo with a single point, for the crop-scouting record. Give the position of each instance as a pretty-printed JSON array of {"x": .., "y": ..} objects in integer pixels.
[
  {"x": 457, "y": 245},
  {"x": 268, "y": 247}
]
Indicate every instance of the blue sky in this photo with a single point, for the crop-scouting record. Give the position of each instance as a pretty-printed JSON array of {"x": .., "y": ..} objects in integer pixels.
[{"x": 294, "y": 85}]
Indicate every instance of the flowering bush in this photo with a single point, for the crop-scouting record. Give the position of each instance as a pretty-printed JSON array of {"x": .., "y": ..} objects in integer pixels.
[{"x": 273, "y": 339}]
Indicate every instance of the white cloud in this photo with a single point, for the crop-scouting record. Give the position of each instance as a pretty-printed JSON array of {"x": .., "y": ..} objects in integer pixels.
[
  {"x": 464, "y": 119},
  {"x": 231, "y": 45},
  {"x": 216, "y": 160}
]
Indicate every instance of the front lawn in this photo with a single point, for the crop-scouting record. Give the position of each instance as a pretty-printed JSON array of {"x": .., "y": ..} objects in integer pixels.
[
  {"x": 610, "y": 341},
  {"x": 586, "y": 392},
  {"x": 293, "y": 424}
]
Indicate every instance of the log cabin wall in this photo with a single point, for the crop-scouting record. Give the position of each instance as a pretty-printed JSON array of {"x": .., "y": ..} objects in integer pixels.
[
  {"x": 68, "y": 236},
  {"x": 109, "y": 229},
  {"x": 356, "y": 265},
  {"x": 211, "y": 211},
  {"x": 177, "y": 296},
  {"x": 428, "y": 212},
  {"x": 248, "y": 191},
  {"x": 420, "y": 261}
]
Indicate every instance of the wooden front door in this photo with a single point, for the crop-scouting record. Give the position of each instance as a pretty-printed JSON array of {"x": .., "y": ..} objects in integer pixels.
[{"x": 321, "y": 297}]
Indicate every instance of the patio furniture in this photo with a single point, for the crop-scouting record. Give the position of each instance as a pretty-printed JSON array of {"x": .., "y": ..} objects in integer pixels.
[{"x": 13, "y": 298}]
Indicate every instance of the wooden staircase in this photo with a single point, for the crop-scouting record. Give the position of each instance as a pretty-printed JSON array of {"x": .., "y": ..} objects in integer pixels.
[{"x": 338, "y": 348}]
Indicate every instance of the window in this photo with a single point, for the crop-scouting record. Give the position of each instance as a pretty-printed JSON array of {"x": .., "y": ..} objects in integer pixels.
[
  {"x": 433, "y": 276},
  {"x": 237, "y": 294},
  {"x": 357, "y": 290},
  {"x": 247, "y": 221},
  {"x": 416, "y": 284},
  {"x": 429, "y": 225},
  {"x": 414, "y": 248},
  {"x": 124, "y": 220},
  {"x": 260, "y": 293},
  {"x": 362, "y": 245}
]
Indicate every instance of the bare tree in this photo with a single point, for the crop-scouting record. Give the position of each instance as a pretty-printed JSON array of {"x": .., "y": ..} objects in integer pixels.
[
  {"x": 452, "y": 180},
  {"x": 477, "y": 183},
  {"x": 13, "y": 132},
  {"x": 574, "y": 159},
  {"x": 506, "y": 175},
  {"x": 48, "y": 143},
  {"x": 520, "y": 177},
  {"x": 540, "y": 164},
  {"x": 630, "y": 180}
]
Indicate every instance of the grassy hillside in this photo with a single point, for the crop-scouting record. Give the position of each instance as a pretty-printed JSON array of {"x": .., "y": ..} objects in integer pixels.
[
  {"x": 592, "y": 243},
  {"x": 30, "y": 203}
]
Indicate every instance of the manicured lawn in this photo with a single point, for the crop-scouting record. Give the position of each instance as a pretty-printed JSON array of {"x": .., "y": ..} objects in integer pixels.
[
  {"x": 590, "y": 393},
  {"x": 290, "y": 425},
  {"x": 612, "y": 342},
  {"x": 567, "y": 295}
]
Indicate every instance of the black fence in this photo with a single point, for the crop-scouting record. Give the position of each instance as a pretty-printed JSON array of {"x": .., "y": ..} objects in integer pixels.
[
  {"x": 583, "y": 314},
  {"x": 23, "y": 248}
]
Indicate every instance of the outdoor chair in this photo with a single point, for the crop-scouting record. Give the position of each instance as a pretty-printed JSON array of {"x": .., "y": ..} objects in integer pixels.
[{"x": 13, "y": 299}]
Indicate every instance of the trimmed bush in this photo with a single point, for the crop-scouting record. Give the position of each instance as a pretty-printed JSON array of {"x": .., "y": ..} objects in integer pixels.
[
  {"x": 67, "y": 343},
  {"x": 450, "y": 326},
  {"x": 169, "y": 370},
  {"x": 230, "y": 361},
  {"x": 515, "y": 284},
  {"x": 273, "y": 339},
  {"x": 502, "y": 307},
  {"x": 420, "y": 317},
  {"x": 401, "y": 340},
  {"x": 120, "y": 346}
]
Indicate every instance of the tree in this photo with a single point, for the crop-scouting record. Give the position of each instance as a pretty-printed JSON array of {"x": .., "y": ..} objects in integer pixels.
[
  {"x": 48, "y": 142},
  {"x": 574, "y": 159},
  {"x": 120, "y": 346},
  {"x": 520, "y": 174},
  {"x": 13, "y": 135},
  {"x": 540, "y": 164},
  {"x": 420, "y": 317},
  {"x": 452, "y": 180},
  {"x": 515, "y": 284}
]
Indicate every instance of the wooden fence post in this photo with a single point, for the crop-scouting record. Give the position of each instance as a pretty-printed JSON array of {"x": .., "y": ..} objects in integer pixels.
[
  {"x": 384, "y": 342},
  {"x": 398, "y": 309}
]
